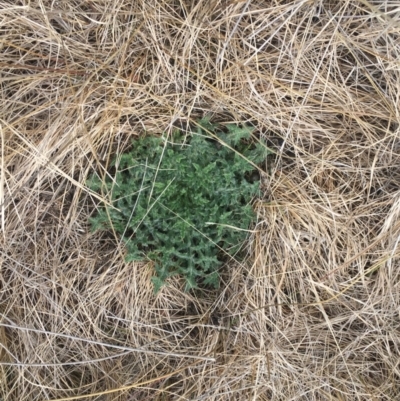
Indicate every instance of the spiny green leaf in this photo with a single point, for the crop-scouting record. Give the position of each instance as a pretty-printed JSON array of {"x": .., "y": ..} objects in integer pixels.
[{"x": 179, "y": 203}]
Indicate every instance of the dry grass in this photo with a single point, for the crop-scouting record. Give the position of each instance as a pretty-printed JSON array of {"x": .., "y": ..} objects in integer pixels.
[{"x": 315, "y": 315}]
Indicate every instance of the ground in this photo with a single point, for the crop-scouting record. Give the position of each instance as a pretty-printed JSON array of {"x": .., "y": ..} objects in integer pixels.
[{"x": 313, "y": 312}]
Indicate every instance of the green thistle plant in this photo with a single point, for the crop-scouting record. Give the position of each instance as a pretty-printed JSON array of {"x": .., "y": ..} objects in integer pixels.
[{"x": 183, "y": 203}]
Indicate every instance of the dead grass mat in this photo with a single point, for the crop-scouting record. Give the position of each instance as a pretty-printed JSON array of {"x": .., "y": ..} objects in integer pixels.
[{"x": 314, "y": 314}]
